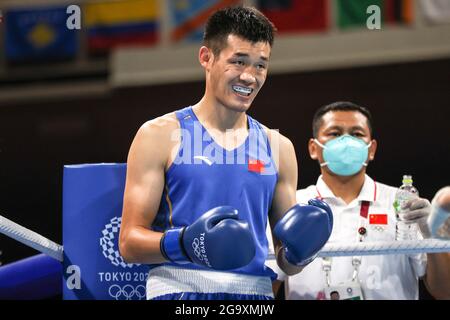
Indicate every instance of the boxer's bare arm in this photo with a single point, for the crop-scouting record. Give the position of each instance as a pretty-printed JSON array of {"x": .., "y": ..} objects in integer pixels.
[
  {"x": 284, "y": 196},
  {"x": 149, "y": 156}
]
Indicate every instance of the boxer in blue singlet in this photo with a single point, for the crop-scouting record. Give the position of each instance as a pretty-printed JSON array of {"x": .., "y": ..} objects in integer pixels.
[{"x": 203, "y": 181}]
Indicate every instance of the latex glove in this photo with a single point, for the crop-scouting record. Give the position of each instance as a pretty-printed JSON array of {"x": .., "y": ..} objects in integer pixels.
[
  {"x": 439, "y": 219},
  {"x": 417, "y": 211}
]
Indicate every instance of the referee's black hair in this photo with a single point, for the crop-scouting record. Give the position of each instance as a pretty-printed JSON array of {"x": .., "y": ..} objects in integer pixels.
[{"x": 339, "y": 106}]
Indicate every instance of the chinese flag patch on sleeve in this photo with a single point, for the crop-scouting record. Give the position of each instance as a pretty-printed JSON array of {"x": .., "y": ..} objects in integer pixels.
[{"x": 378, "y": 218}]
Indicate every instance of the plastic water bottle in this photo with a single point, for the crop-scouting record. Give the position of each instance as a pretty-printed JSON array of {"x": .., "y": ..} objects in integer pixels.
[{"x": 404, "y": 230}]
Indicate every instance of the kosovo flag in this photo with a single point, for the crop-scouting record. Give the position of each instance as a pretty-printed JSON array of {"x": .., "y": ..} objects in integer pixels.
[{"x": 39, "y": 34}]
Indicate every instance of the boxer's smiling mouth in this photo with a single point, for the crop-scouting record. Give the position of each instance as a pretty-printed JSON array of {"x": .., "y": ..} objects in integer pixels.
[{"x": 244, "y": 91}]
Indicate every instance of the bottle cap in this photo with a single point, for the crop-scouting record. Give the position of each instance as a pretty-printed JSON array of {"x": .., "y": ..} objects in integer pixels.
[{"x": 407, "y": 179}]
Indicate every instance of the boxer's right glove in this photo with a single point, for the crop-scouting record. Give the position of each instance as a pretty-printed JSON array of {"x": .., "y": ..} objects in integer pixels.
[
  {"x": 439, "y": 222},
  {"x": 217, "y": 240},
  {"x": 439, "y": 218},
  {"x": 304, "y": 230}
]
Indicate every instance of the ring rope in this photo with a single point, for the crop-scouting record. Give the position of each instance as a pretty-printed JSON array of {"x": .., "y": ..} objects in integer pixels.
[
  {"x": 31, "y": 238},
  {"x": 384, "y": 247},
  {"x": 54, "y": 250},
  {"x": 373, "y": 248}
]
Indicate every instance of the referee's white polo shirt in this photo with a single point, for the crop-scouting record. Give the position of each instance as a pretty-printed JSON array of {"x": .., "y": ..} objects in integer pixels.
[{"x": 382, "y": 276}]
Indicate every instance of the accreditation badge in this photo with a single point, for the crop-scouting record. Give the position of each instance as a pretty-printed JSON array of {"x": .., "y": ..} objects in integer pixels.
[{"x": 350, "y": 290}]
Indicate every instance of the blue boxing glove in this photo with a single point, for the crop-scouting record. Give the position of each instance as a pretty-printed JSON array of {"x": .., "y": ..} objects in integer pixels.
[
  {"x": 304, "y": 230},
  {"x": 217, "y": 240}
]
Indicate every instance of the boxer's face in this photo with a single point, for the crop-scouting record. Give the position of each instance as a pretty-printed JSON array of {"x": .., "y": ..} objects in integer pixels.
[{"x": 235, "y": 76}]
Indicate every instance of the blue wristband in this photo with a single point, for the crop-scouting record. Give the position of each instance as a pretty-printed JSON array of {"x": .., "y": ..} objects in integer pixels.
[{"x": 172, "y": 246}]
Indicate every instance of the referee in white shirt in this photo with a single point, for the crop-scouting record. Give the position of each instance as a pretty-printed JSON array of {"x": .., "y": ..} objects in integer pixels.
[{"x": 363, "y": 210}]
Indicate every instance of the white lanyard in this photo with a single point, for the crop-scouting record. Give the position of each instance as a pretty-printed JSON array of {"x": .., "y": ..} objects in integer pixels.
[{"x": 360, "y": 235}]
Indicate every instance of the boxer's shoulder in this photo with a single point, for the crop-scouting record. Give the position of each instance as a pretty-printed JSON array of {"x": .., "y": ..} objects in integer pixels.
[
  {"x": 157, "y": 134},
  {"x": 164, "y": 124},
  {"x": 160, "y": 130}
]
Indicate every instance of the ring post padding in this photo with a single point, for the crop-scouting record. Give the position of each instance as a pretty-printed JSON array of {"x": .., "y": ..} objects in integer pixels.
[
  {"x": 32, "y": 278},
  {"x": 92, "y": 209}
]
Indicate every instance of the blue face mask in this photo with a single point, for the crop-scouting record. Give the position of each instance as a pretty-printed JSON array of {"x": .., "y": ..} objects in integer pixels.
[{"x": 345, "y": 155}]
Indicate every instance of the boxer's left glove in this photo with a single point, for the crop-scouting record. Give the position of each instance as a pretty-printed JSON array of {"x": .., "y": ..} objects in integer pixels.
[
  {"x": 217, "y": 240},
  {"x": 304, "y": 230}
]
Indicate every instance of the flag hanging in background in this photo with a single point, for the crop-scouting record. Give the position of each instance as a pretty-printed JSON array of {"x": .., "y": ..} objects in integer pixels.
[
  {"x": 115, "y": 23},
  {"x": 188, "y": 17},
  {"x": 38, "y": 34},
  {"x": 353, "y": 13},
  {"x": 436, "y": 11},
  {"x": 398, "y": 11},
  {"x": 296, "y": 15}
]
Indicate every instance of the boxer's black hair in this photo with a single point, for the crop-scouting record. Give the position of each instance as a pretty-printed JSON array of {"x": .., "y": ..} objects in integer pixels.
[
  {"x": 339, "y": 106},
  {"x": 245, "y": 22}
]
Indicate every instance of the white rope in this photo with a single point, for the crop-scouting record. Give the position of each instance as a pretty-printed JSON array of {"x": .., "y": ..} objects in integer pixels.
[
  {"x": 54, "y": 250},
  {"x": 30, "y": 238},
  {"x": 385, "y": 247},
  {"x": 382, "y": 247}
]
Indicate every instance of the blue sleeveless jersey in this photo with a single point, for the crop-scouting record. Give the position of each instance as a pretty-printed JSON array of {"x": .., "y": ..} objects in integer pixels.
[{"x": 204, "y": 175}]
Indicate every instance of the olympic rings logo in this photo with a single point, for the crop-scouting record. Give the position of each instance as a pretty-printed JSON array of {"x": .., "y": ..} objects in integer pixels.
[
  {"x": 127, "y": 292},
  {"x": 197, "y": 250},
  {"x": 378, "y": 228}
]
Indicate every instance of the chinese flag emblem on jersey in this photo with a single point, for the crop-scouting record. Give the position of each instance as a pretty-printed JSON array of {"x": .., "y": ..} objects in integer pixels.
[{"x": 255, "y": 165}]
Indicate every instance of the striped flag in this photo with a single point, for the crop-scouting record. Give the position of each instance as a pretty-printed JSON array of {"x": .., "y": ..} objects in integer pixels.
[
  {"x": 121, "y": 23},
  {"x": 353, "y": 13}
]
